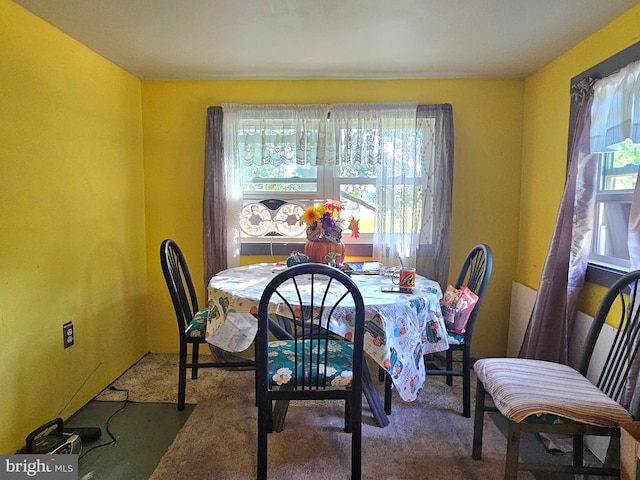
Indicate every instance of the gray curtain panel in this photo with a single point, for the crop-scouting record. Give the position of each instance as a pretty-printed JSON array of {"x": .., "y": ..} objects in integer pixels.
[
  {"x": 551, "y": 324},
  {"x": 214, "y": 241},
  {"x": 432, "y": 259}
]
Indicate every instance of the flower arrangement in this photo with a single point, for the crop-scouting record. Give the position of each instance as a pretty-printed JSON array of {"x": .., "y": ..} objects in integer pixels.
[{"x": 324, "y": 222}]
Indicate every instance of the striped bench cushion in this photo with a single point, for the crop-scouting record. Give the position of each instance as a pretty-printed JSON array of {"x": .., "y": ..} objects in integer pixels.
[{"x": 521, "y": 388}]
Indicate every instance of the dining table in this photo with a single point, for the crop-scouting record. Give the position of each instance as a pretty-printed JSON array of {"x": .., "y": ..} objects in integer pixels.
[{"x": 400, "y": 327}]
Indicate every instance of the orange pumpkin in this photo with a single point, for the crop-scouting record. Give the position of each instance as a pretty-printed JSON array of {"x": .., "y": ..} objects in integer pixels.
[{"x": 317, "y": 251}]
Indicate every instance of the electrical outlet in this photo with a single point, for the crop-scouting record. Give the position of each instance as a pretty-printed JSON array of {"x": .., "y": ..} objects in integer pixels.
[{"x": 68, "y": 335}]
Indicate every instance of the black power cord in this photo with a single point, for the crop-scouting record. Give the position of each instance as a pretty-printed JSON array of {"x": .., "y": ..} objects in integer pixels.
[{"x": 113, "y": 438}]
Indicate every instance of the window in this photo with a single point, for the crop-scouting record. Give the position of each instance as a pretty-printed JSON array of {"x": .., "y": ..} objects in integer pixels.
[
  {"x": 617, "y": 175},
  {"x": 391, "y": 164},
  {"x": 290, "y": 160},
  {"x": 618, "y": 154}
]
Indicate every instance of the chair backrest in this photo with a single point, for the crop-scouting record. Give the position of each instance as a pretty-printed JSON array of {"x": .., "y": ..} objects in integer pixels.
[
  {"x": 475, "y": 274},
  {"x": 620, "y": 307},
  {"x": 309, "y": 295},
  {"x": 176, "y": 274}
]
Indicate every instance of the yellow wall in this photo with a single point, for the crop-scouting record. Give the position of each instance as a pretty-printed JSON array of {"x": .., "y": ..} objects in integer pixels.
[
  {"x": 544, "y": 154},
  {"x": 84, "y": 210},
  {"x": 488, "y": 131},
  {"x": 72, "y": 223}
]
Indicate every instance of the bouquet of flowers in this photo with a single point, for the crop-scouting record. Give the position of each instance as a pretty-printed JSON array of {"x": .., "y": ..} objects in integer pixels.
[{"x": 324, "y": 222}]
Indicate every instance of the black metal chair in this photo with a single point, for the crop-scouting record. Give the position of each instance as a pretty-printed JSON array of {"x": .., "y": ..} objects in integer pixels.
[
  {"x": 475, "y": 274},
  {"x": 312, "y": 364},
  {"x": 546, "y": 397},
  {"x": 192, "y": 321}
]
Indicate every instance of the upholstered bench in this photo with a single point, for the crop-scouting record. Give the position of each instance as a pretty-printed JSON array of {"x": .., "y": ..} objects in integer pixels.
[
  {"x": 545, "y": 397},
  {"x": 514, "y": 385}
]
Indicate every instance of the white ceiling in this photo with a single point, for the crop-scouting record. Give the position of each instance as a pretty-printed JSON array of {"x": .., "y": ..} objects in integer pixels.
[{"x": 328, "y": 39}]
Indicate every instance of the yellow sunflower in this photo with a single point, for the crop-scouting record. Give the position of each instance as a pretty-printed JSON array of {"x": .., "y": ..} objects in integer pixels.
[{"x": 311, "y": 215}]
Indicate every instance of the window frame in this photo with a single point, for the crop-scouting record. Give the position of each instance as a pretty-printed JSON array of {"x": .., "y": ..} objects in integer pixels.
[
  {"x": 608, "y": 196},
  {"x": 328, "y": 182}
]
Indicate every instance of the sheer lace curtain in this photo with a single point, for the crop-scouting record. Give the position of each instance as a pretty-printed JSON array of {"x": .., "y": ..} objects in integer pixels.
[
  {"x": 343, "y": 134},
  {"x": 268, "y": 119},
  {"x": 384, "y": 135},
  {"x": 616, "y": 109},
  {"x": 412, "y": 147}
]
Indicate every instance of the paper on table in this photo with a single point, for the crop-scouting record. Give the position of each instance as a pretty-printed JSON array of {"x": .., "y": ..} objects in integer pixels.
[
  {"x": 236, "y": 333},
  {"x": 364, "y": 267}
]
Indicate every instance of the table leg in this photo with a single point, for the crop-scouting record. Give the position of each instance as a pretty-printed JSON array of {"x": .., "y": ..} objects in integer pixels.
[
  {"x": 388, "y": 385},
  {"x": 230, "y": 359},
  {"x": 373, "y": 399},
  {"x": 279, "y": 414}
]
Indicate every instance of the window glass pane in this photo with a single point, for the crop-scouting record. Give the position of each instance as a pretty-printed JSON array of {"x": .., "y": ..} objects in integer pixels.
[
  {"x": 357, "y": 170},
  {"x": 620, "y": 168},
  {"x": 618, "y": 173},
  {"x": 360, "y": 204},
  {"x": 610, "y": 239}
]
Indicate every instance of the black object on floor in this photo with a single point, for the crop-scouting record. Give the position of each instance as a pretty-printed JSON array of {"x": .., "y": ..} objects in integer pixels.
[
  {"x": 51, "y": 438},
  {"x": 86, "y": 434}
]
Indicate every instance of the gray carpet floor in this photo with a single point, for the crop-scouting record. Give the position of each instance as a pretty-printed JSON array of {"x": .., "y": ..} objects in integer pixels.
[{"x": 149, "y": 431}]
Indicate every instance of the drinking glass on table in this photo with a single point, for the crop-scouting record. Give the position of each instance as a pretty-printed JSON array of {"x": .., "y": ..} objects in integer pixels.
[{"x": 388, "y": 271}]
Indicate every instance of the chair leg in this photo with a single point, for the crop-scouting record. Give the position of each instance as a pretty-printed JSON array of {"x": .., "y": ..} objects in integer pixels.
[
  {"x": 449, "y": 362},
  {"x": 348, "y": 416},
  {"x": 182, "y": 376},
  {"x": 356, "y": 443},
  {"x": 578, "y": 450},
  {"x": 513, "y": 452},
  {"x": 195, "y": 350},
  {"x": 263, "y": 431},
  {"x": 388, "y": 384},
  {"x": 381, "y": 374},
  {"x": 478, "y": 422},
  {"x": 466, "y": 383},
  {"x": 270, "y": 414}
]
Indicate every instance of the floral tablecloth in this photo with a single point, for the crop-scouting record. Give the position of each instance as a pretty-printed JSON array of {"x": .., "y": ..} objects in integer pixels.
[{"x": 400, "y": 328}]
